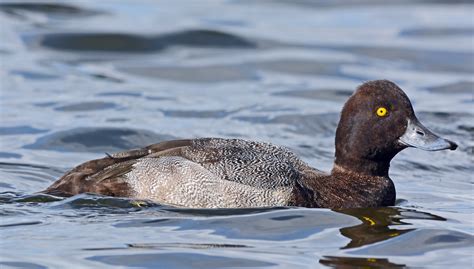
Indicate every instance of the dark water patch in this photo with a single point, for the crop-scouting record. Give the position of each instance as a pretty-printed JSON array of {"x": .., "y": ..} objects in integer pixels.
[
  {"x": 337, "y": 95},
  {"x": 99, "y": 42},
  {"x": 436, "y": 32},
  {"x": 21, "y": 129},
  {"x": 284, "y": 218},
  {"x": 34, "y": 75},
  {"x": 158, "y": 98},
  {"x": 225, "y": 22},
  {"x": 20, "y": 224},
  {"x": 468, "y": 129},
  {"x": 46, "y": 8},
  {"x": 86, "y": 106},
  {"x": 98, "y": 140},
  {"x": 201, "y": 74},
  {"x": 420, "y": 242},
  {"x": 45, "y": 104},
  {"x": 197, "y": 113},
  {"x": 179, "y": 260},
  {"x": 353, "y": 262},
  {"x": 23, "y": 265},
  {"x": 313, "y": 124},
  {"x": 205, "y": 38},
  {"x": 305, "y": 146},
  {"x": 124, "y": 94},
  {"x": 117, "y": 120},
  {"x": 461, "y": 87},
  {"x": 107, "y": 78},
  {"x": 133, "y": 43},
  {"x": 9, "y": 155}
]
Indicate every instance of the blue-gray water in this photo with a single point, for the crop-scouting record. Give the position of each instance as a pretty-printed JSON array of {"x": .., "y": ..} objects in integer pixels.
[{"x": 80, "y": 78}]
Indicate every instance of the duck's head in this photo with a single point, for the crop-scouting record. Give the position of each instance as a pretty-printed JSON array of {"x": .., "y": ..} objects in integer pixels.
[{"x": 376, "y": 123}]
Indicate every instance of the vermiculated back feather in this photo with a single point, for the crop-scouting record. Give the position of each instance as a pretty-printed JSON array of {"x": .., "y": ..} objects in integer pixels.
[{"x": 206, "y": 172}]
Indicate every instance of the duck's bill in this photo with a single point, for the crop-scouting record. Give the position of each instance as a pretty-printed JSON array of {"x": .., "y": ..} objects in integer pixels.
[{"x": 419, "y": 136}]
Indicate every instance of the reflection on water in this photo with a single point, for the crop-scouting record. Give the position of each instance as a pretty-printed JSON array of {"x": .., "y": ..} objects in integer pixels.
[
  {"x": 380, "y": 224},
  {"x": 246, "y": 230},
  {"x": 352, "y": 262},
  {"x": 377, "y": 225}
]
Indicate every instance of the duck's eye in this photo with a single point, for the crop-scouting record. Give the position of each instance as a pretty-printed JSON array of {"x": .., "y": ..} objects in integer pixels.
[{"x": 382, "y": 111}]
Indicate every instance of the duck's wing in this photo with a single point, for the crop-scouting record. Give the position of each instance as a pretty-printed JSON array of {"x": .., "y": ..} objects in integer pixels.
[
  {"x": 255, "y": 164},
  {"x": 105, "y": 175},
  {"x": 250, "y": 163}
]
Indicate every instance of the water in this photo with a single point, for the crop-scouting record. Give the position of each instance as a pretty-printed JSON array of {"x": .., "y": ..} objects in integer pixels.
[{"x": 80, "y": 78}]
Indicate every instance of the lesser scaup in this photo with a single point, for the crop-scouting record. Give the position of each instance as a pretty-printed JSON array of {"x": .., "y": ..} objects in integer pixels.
[{"x": 376, "y": 123}]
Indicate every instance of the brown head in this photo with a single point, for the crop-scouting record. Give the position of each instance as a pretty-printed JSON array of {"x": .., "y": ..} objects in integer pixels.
[{"x": 376, "y": 123}]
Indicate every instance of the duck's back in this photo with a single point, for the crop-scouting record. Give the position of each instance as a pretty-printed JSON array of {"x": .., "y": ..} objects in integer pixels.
[{"x": 206, "y": 172}]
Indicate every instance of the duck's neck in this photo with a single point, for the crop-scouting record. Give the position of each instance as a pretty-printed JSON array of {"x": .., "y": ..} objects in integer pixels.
[
  {"x": 345, "y": 188},
  {"x": 364, "y": 167},
  {"x": 364, "y": 187}
]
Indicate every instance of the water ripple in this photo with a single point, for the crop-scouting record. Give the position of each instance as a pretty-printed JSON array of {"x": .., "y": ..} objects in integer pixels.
[{"x": 98, "y": 140}]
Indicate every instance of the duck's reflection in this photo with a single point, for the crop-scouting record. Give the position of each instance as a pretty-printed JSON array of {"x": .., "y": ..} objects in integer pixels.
[
  {"x": 377, "y": 225},
  {"x": 351, "y": 262},
  {"x": 380, "y": 224}
]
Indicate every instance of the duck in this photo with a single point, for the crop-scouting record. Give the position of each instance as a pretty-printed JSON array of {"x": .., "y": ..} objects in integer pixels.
[{"x": 376, "y": 123}]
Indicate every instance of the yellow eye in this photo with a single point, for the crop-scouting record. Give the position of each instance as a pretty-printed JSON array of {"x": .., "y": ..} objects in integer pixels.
[{"x": 382, "y": 111}]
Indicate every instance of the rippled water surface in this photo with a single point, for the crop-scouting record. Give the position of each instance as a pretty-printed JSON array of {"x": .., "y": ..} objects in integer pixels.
[{"x": 80, "y": 78}]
